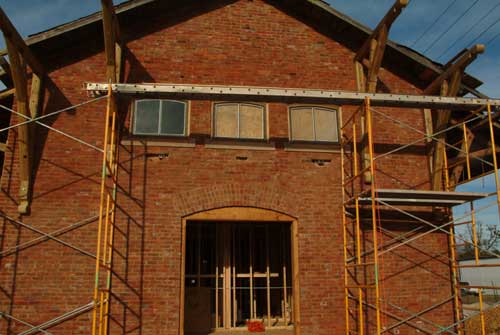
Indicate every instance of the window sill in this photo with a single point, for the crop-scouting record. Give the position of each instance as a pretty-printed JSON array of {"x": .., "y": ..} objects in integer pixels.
[
  {"x": 237, "y": 144},
  {"x": 182, "y": 142},
  {"x": 313, "y": 147}
]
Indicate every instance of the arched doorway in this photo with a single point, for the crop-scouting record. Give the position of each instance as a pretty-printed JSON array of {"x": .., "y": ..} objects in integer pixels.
[{"x": 239, "y": 264}]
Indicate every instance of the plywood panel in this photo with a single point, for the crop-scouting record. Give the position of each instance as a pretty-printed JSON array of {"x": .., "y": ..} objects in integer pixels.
[
  {"x": 198, "y": 310},
  {"x": 251, "y": 121},
  {"x": 226, "y": 120},
  {"x": 302, "y": 124},
  {"x": 326, "y": 124}
]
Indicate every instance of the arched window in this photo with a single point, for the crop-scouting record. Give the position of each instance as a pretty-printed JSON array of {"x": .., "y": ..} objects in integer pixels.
[
  {"x": 239, "y": 120},
  {"x": 311, "y": 123},
  {"x": 160, "y": 117}
]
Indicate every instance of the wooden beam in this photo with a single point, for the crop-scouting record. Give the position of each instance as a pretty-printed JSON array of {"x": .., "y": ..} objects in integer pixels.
[
  {"x": 7, "y": 93},
  {"x": 450, "y": 82},
  {"x": 23, "y": 133},
  {"x": 110, "y": 29},
  {"x": 438, "y": 145},
  {"x": 481, "y": 153},
  {"x": 464, "y": 148},
  {"x": 463, "y": 61},
  {"x": 3, "y": 147},
  {"x": 118, "y": 61},
  {"x": 385, "y": 23},
  {"x": 18, "y": 43},
  {"x": 376, "y": 56},
  {"x": 375, "y": 45},
  {"x": 37, "y": 84}
]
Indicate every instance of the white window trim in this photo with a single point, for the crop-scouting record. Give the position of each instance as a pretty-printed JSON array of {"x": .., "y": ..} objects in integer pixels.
[
  {"x": 239, "y": 104},
  {"x": 134, "y": 124},
  {"x": 313, "y": 108}
]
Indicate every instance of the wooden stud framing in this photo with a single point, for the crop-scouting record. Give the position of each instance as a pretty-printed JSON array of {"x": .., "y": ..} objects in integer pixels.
[{"x": 243, "y": 214}]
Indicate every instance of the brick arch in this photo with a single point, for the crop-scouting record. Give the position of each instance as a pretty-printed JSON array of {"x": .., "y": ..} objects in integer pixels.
[
  {"x": 256, "y": 195},
  {"x": 257, "y": 202}
]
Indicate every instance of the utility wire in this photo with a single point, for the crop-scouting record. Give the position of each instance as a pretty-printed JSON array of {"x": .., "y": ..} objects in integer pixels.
[
  {"x": 485, "y": 31},
  {"x": 451, "y": 26},
  {"x": 470, "y": 29},
  {"x": 492, "y": 39},
  {"x": 433, "y": 23}
]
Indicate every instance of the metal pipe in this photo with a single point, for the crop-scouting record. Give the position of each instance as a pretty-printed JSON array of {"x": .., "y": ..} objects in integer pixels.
[
  {"x": 53, "y": 129},
  {"x": 36, "y": 230}
]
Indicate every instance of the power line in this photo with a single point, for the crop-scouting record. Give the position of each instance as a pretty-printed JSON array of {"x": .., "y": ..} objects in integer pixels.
[
  {"x": 451, "y": 26},
  {"x": 433, "y": 23},
  {"x": 468, "y": 30},
  {"x": 493, "y": 38},
  {"x": 485, "y": 31}
]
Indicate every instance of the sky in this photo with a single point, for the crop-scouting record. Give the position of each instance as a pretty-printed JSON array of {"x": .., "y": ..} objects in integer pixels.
[{"x": 438, "y": 29}]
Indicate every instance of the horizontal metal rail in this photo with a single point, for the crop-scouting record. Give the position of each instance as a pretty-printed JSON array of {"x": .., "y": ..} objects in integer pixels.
[{"x": 292, "y": 95}]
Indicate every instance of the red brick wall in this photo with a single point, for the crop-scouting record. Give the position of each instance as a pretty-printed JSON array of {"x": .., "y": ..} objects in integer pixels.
[{"x": 243, "y": 43}]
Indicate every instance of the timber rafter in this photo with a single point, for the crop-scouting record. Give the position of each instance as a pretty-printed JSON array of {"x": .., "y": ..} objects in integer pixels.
[
  {"x": 373, "y": 49},
  {"x": 448, "y": 84},
  {"x": 20, "y": 55}
]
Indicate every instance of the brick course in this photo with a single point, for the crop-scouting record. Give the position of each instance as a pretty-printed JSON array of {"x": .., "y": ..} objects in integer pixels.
[{"x": 237, "y": 43}]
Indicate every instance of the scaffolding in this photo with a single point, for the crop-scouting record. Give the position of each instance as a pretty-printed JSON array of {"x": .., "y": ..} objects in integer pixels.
[
  {"x": 368, "y": 204},
  {"x": 367, "y": 240}
]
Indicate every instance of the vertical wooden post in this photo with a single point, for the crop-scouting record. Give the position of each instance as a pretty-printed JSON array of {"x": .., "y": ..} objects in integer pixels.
[
  {"x": 284, "y": 260},
  {"x": 252, "y": 232},
  {"x": 217, "y": 262},
  {"x": 227, "y": 276},
  {"x": 233, "y": 256},
  {"x": 295, "y": 277},
  {"x": 23, "y": 133},
  {"x": 268, "y": 279}
]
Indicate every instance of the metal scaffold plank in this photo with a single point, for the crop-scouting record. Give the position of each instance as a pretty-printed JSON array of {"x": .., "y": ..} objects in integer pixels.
[
  {"x": 423, "y": 197},
  {"x": 292, "y": 95}
]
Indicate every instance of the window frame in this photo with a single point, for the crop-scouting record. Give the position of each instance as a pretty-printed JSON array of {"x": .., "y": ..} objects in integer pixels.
[
  {"x": 239, "y": 104},
  {"x": 335, "y": 109},
  {"x": 159, "y": 134}
]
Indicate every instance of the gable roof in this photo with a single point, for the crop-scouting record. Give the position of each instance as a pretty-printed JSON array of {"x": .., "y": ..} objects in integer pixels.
[{"x": 317, "y": 10}]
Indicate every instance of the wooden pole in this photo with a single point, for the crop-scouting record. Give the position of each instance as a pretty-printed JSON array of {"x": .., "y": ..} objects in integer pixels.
[
  {"x": 268, "y": 279},
  {"x": 23, "y": 135}
]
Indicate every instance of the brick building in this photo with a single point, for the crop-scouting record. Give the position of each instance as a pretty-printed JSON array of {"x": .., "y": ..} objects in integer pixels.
[{"x": 227, "y": 209}]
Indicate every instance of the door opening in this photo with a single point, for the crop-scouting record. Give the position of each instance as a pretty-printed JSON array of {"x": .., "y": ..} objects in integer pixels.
[{"x": 237, "y": 272}]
